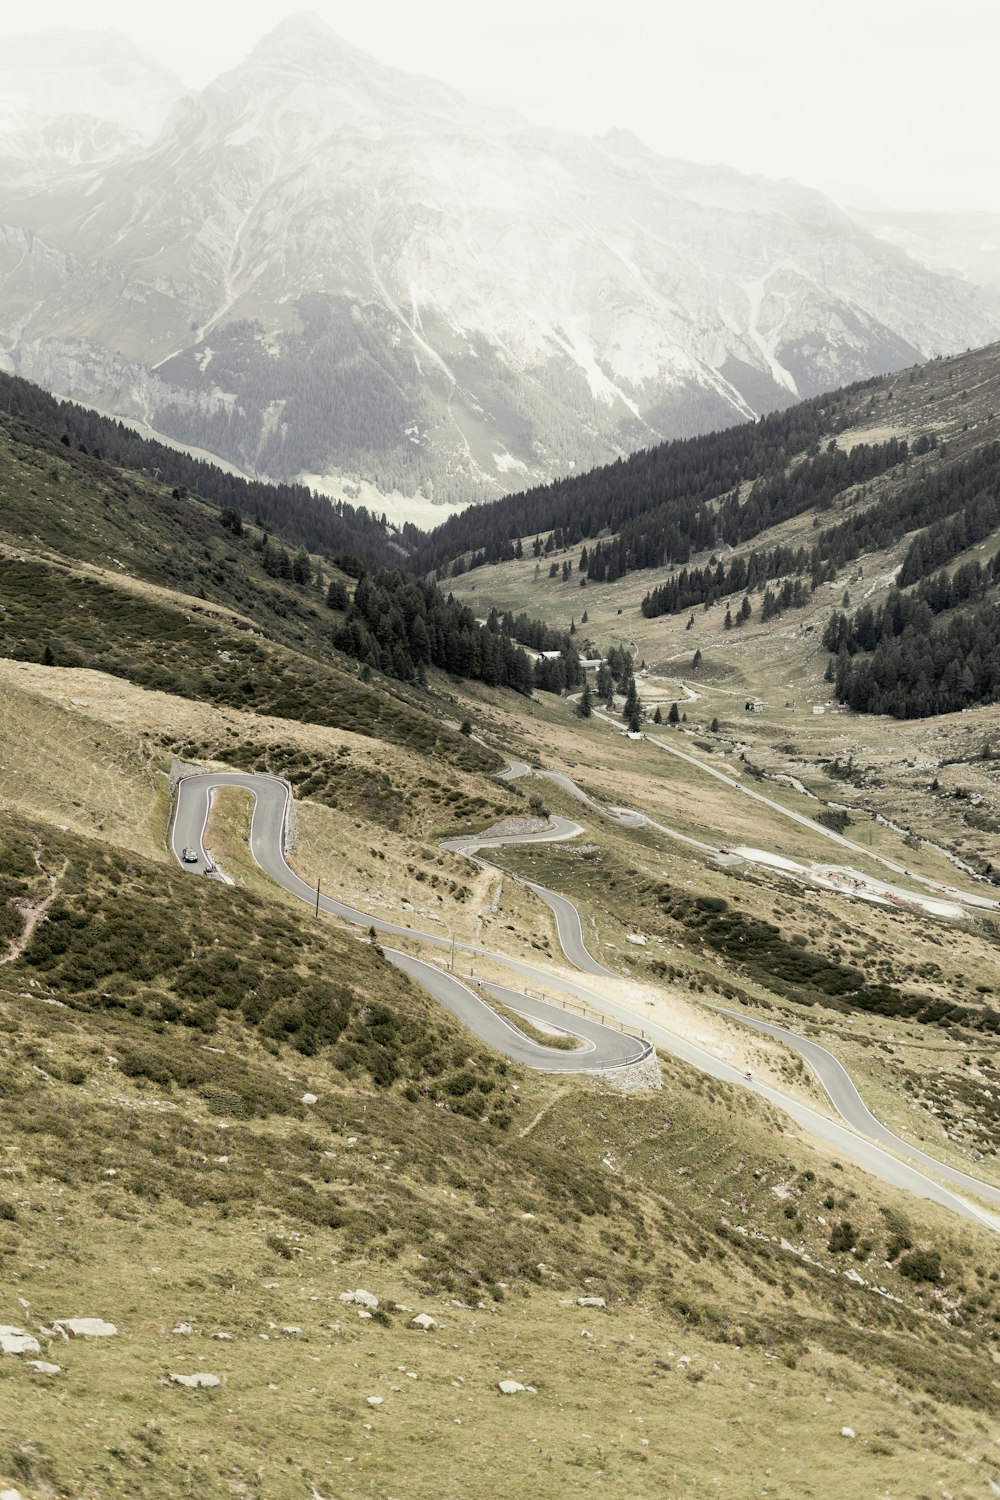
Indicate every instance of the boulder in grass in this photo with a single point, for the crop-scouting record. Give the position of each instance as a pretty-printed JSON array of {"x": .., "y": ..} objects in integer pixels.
[
  {"x": 16, "y": 1341},
  {"x": 591, "y": 1302},
  {"x": 199, "y": 1381},
  {"x": 423, "y": 1321},
  {"x": 42, "y": 1367},
  {"x": 362, "y": 1298},
  {"x": 510, "y": 1387},
  {"x": 85, "y": 1328}
]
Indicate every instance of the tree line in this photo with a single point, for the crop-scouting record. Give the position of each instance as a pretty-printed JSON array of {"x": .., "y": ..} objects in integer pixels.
[
  {"x": 968, "y": 489},
  {"x": 672, "y": 532},
  {"x": 693, "y": 586},
  {"x": 896, "y": 660},
  {"x": 295, "y": 512},
  {"x": 400, "y": 625},
  {"x": 677, "y": 477}
]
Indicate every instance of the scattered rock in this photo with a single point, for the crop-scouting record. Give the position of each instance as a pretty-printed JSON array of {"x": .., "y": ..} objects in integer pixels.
[
  {"x": 362, "y": 1298},
  {"x": 424, "y": 1321},
  {"x": 375, "y": 1400},
  {"x": 86, "y": 1328},
  {"x": 182, "y": 1328},
  {"x": 227, "y": 1336},
  {"x": 310, "y": 1098},
  {"x": 42, "y": 1367},
  {"x": 636, "y": 938},
  {"x": 11, "y": 1495},
  {"x": 199, "y": 1381},
  {"x": 591, "y": 1302},
  {"x": 848, "y": 1432},
  {"x": 510, "y": 1387},
  {"x": 16, "y": 1341}
]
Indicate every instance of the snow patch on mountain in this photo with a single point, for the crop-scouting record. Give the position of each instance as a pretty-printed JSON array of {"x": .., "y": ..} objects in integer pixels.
[{"x": 398, "y": 509}]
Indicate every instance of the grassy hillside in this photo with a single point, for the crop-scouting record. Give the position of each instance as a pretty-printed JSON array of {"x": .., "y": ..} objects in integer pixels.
[
  {"x": 221, "y": 1114},
  {"x": 101, "y": 568},
  {"x": 742, "y": 547},
  {"x": 159, "y": 1044}
]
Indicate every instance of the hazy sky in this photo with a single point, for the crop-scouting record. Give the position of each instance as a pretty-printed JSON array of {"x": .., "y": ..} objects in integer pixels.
[{"x": 881, "y": 103}]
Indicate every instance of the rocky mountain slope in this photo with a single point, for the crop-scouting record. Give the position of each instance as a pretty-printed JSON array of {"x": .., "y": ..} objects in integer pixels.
[{"x": 323, "y": 267}]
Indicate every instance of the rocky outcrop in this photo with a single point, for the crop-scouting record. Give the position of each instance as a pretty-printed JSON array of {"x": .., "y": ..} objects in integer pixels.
[
  {"x": 16, "y": 1341},
  {"x": 85, "y": 1328}
]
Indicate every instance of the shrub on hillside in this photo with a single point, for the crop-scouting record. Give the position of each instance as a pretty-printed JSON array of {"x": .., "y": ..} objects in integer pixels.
[{"x": 921, "y": 1265}]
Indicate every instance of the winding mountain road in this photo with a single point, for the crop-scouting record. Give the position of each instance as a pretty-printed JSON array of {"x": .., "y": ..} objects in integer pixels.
[
  {"x": 834, "y": 1078},
  {"x": 603, "y": 1047}
]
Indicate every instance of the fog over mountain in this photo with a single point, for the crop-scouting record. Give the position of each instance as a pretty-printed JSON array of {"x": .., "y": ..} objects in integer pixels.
[
  {"x": 323, "y": 267},
  {"x": 100, "y": 74},
  {"x": 964, "y": 244}
]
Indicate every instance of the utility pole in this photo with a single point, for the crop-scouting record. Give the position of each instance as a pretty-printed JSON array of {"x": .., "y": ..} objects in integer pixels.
[{"x": 318, "y": 879}]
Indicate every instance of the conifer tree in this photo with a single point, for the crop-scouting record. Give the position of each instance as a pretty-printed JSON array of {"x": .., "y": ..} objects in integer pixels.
[{"x": 633, "y": 707}]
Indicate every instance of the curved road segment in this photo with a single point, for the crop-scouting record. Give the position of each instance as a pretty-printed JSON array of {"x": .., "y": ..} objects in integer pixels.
[
  {"x": 830, "y": 1072},
  {"x": 605, "y": 1048}
]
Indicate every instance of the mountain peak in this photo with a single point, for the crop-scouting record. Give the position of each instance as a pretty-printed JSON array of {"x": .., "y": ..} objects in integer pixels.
[
  {"x": 304, "y": 25},
  {"x": 305, "y": 39}
]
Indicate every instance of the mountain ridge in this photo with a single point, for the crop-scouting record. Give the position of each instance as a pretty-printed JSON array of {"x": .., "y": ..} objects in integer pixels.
[{"x": 326, "y": 267}]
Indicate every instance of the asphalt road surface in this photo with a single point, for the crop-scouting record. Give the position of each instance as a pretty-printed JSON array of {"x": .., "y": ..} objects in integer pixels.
[
  {"x": 606, "y": 1047},
  {"x": 610, "y": 1049},
  {"x": 568, "y": 924},
  {"x": 834, "y": 1078}
]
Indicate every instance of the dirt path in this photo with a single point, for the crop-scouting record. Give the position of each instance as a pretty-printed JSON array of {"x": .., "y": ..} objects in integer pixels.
[
  {"x": 541, "y": 1115},
  {"x": 33, "y": 912}
]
